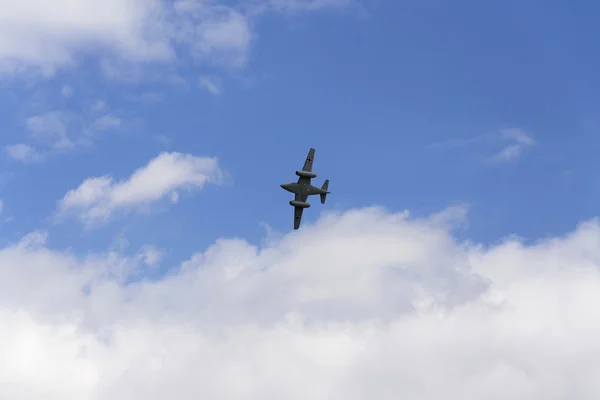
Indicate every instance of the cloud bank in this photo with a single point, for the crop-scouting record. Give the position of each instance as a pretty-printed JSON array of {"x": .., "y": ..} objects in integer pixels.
[{"x": 365, "y": 304}]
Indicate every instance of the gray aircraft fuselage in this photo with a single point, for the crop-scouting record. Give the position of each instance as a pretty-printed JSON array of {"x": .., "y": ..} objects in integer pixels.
[{"x": 302, "y": 188}]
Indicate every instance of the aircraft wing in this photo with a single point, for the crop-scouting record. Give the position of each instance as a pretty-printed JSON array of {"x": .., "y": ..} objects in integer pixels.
[
  {"x": 308, "y": 164},
  {"x": 298, "y": 210},
  {"x": 297, "y": 216}
]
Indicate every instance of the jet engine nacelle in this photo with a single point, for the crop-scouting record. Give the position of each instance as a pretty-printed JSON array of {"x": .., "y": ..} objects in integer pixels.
[
  {"x": 306, "y": 174},
  {"x": 299, "y": 204}
]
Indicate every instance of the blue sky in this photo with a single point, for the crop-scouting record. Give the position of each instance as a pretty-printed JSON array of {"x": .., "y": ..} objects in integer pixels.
[
  {"x": 147, "y": 249},
  {"x": 371, "y": 88}
]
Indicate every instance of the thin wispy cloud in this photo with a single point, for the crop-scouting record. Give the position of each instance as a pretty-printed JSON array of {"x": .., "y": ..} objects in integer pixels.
[
  {"x": 162, "y": 140},
  {"x": 67, "y": 91},
  {"x": 504, "y": 146},
  {"x": 50, "y": 129},
  {"x": 99, "y": 105},
  {"x": 518, "y": 140},
  {"x": 210, "y": 84},
  {"x": 104, "y": 123},
  {"x": 294, "y": 6},
  {"x": 23, "y": 153},
  {"x": 62, "y": 130}
]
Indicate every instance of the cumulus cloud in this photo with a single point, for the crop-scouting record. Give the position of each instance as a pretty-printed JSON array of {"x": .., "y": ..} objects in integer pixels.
[
  {"x": 365, "y": 304},
  {"x": 98, "y": 198},
  {"x": 150, "y": 255},
  {"x": 45, "y": 37},
  {"x": 35, "y": 33}
]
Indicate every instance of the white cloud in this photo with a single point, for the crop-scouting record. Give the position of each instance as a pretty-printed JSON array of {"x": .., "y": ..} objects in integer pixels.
[
  {"x": 50, "y": 128},
  {"x": 210, "y": 84},
  {"x": 307, "y": 5},
  {"x": 99, "y": 105},
  {"x": 218, "y": 34},
  {"x": 106, "y": 122},
  {"x": 67, "y": 91},
  {"x": 162, "y": 140},
  {"x": 129, "y": 35},
  {"x": 58, "y": 131},
  {"x": 23, "y": 153},
  {"x": 364, "y": 305},
  {"x": 150, "y": 255},
  {"x": 144, "y": 97},
  {"x": 520, "y": 141},
  {"x": 97, "y": 199},
  {"x": 512, "y": 142},
  {"x": 35, "y": 33}
]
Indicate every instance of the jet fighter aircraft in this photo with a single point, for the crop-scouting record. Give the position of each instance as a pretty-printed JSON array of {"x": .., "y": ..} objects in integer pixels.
[{"x": 303, "y": 188}]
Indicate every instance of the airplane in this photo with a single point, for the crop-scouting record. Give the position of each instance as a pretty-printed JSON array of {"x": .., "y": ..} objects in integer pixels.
[{"x": 303, "y": 188}]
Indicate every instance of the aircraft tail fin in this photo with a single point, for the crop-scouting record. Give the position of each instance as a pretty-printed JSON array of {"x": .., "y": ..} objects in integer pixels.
[{"x": 324, "y": 187}]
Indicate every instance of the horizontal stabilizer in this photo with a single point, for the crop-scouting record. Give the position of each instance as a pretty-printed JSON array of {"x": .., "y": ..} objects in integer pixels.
[{"x": 324, "y": 187}]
